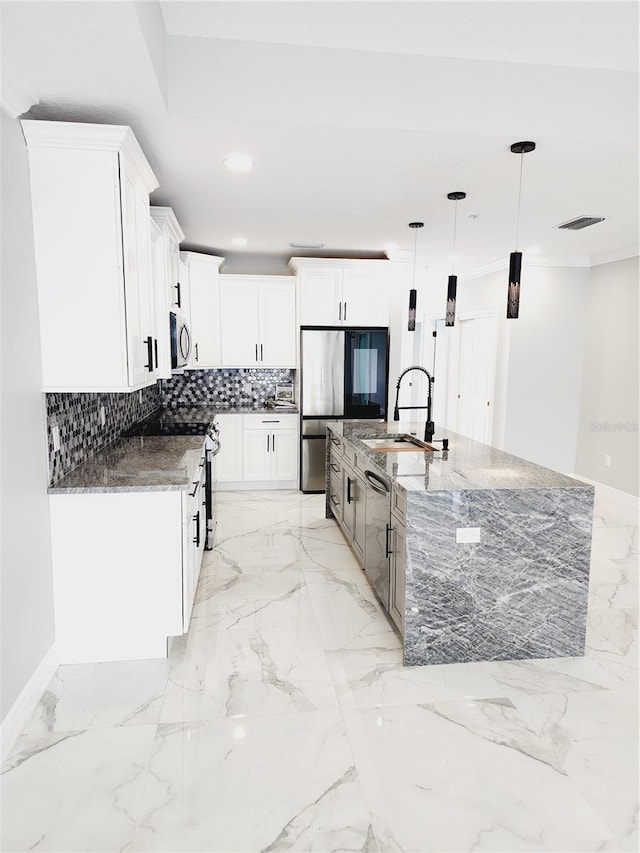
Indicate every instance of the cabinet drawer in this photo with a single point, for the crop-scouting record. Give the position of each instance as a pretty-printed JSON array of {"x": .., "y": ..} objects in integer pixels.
[
  {"x": 270, "y": 422},
  {"x": 399, "y": 502},
  {"x": 336, "y": 442},
  {"x": 335, "y": 464},
  {"x": 349, "y": 455}
]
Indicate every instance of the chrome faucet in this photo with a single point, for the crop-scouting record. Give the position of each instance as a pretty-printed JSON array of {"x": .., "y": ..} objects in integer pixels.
[{"x": 428, "y": 427}]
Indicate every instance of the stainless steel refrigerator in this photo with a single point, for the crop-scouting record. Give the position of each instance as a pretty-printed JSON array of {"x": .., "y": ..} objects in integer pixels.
[{"x": 344, "y": 375}]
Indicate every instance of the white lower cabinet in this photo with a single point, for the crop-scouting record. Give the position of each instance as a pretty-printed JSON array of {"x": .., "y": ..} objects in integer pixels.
[
  {"x": 125, "y": 570},
  {"x": 229, "y": 467},
  {"x": 260, "y": 448}
]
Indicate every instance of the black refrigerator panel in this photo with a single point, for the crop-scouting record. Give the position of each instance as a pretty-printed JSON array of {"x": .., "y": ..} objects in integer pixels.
[{"x": 366, "y": 373}]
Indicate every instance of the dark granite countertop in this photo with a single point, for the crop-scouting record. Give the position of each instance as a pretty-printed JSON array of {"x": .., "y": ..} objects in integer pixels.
[
  {"x": 136, "y": 464},
  {"x": 466, "y": 465}
]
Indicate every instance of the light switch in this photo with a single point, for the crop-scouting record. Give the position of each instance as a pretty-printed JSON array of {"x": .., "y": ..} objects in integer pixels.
[{"x": 467, "y": 534}]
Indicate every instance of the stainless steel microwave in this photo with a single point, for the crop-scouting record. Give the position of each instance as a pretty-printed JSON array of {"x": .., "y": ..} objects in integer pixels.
[{"x": 180, "y": 341}]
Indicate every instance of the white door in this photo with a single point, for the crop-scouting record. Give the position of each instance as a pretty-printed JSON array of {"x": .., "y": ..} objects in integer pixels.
[
  {"x": 277, "y": 314},
  {"x": 284, "y": 454},
  {"x": 239, "y": 331},
  {"x": 137, "y": 350},
  {"x": 476, "y": 369},
  {"x": 320, "y": 291},
  {"x": 257, "y": 454}
]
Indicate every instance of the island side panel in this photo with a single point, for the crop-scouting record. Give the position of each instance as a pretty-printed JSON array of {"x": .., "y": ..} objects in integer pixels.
[{"x": 520, "y": 593}]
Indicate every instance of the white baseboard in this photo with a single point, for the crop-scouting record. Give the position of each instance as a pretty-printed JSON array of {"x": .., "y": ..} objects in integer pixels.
[
  {"x": 23, "y": 707},
  {"x": 609, "y": 492}
]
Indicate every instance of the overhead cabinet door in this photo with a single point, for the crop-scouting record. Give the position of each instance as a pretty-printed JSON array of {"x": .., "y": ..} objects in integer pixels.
[
  {"x": 239, "y": 331},
  {"x": 258, "y": 321},
  {"x": 277, "y": 320}
]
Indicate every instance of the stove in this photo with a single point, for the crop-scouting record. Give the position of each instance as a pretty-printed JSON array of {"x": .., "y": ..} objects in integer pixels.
[{"x": 164, "y": 422}]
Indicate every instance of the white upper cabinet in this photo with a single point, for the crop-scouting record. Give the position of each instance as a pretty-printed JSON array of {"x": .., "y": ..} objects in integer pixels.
[
  {"x": 201, "y": 283},
  {"x": 166, "y": 258},
  {"x": 257, "y": 321},
  {"x": 90, "y": 188},
  {"x": 342, "y": 293}
]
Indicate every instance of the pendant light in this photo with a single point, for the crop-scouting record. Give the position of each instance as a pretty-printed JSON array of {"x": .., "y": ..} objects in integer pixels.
[
  {"x": 515, "y": 258},
  {"x": 411, "y": 326},
  {"x": 452, "y": 285}
]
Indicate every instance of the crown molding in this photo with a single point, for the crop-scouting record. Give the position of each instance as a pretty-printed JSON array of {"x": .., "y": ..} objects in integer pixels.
[
  {"x": 580, "y": 261},
  {"x": 165, "y": 216},
  {"x": 199, "y": 258},
  {"x": 611, "y": 257},
  {"x": 15, "y": 99},
  {"x": 92, "y": 137},
  {"x": 297, "y": 262}
]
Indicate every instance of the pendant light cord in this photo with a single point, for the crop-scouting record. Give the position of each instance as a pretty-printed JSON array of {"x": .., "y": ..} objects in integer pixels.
[
  {"x": 455, "y": 223},
  {"x": 519, "y": 198},
  {"x": 415, "y": 251}
]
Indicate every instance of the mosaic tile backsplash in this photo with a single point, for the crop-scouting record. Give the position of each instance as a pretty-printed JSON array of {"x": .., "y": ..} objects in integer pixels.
[
  {"x": 224, "y": 387},
  {"x": 81, "y": 430}
]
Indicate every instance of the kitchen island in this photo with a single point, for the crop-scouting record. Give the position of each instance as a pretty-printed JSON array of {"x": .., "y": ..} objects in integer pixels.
[{"x": 496, "y": 552}]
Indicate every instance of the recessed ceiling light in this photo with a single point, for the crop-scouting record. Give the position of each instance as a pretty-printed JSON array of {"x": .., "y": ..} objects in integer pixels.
[
  {"x": 307, "y": 245},
  {"x": 238, "y": 162},
  {"x": 239, "y": 241}
]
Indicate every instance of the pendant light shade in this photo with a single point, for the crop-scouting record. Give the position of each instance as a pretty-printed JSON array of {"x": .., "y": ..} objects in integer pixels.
[
  {"x": 413, "y": 293},
  {"x": 452, "y": 285},
  {"x": 515, "y": 259}
]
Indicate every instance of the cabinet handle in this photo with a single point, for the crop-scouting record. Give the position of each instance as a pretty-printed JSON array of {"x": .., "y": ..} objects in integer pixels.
[
  {"x": 335, "y": 468},
  {"x": 196, "y": 349},
  {"x": 348, "y": 490},
  {"x": 276, "y": 421},
  {"x": 155, "y": 347},
  {"x": 261, "y": 353},
  {"x": 177, "y": 287},
  {"x": 201, "y": 463},
  {"x": 267, "y": 442},
  {"x": 335, "y": 500},
  {"x": 335, "y": 440},
  {"x": 387, "y": 543},
  {"x": 196, "y": 538},
  {"x": 195, "y": 489},
  {"x": 339, "y": 310},
  {"x": 256, "y": 352},
  {"x": 149, "y": 344},
  {"x": 273, "y": 443},
  {"x": 345, "y": 310}
]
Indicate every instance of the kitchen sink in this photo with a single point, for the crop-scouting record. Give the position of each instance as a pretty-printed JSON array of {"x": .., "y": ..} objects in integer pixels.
[{"x": 398, "y": 444}]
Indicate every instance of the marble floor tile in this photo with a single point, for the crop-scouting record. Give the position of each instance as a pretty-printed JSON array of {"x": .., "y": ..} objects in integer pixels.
[
  {"x": 285, "y": 719},
  {"x": 272, "y": 783},
  {"x": 75, "y": 790},
  {"x": 466, "y": 776},
  {"x": 594, "y": 741},
  {"x": 83, "y": 696}
]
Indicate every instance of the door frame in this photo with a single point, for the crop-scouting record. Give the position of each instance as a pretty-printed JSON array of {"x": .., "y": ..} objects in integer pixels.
[{"x": 453, "y": 375}]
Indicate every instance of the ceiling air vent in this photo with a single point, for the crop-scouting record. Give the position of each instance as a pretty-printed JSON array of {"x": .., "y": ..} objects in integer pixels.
[{"x": 580, "y": 222}]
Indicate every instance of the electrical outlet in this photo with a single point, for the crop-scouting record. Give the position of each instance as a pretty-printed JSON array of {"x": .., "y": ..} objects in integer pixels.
[
  {"x": 103, "y": 416},
  {"x": 140, "y": 396},
  {"x": 55, "y": 435},
  {"x": 467, "y": 534},
  {"x": 607, "y": 460},
  {"x": 247, "y": 388}
]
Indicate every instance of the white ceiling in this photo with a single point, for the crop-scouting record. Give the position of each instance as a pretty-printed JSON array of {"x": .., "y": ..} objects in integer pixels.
[{"x": 360, "y": 117}]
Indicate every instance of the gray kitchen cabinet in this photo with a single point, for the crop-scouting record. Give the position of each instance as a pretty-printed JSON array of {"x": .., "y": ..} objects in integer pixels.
[{"x": 398, "y": 571}]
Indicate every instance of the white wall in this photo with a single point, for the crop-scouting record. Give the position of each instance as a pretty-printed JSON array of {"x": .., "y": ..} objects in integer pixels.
[
  {"x": 538, "y": 360},
  {"x": 27, "y": 594},
  {"x": 609, "y": 404}
]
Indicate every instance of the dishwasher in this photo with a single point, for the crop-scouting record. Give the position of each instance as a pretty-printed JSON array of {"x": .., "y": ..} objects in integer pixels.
[{"x": 377, "y": 512}]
